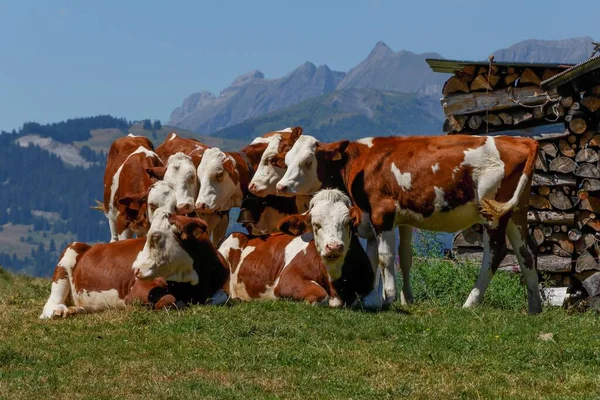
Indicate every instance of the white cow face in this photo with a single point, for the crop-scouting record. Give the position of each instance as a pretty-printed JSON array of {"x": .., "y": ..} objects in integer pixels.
[
  {"x": 269, "y": 172},
  {"x": 219, "y": 182},
  {"x": 300, "y": 177},
  {"x": 161, "y": 195},
  {"x": 163, "y": 254},
  {"x": 333, "y": 221},
  {"x": 181, "y": 176}
]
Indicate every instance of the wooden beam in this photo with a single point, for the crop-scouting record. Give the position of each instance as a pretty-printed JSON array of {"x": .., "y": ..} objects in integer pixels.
[{"x": 497, "y": 100}]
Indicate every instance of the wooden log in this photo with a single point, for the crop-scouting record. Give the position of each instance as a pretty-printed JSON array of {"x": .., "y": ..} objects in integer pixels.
[
  {"x": 590, "y": 185},
  {"x": 455, "y": 85},
  {"x": 469, "y": 70},
  {"x": 549, "y": 149},
  {"x": 585, "y": 138},
  {"x": 521, "y": 116},
  {"x": 480, "y": 83},
  {"x": 560, "y": 201},
  {"x": 565, "y": 148},
  {"x": 475, "y": 122},
  {"x": 541, "y": 179},
  {"x": 578, "y": 125},
  {"x": 550, "y": 217},
  {"x": 595, "y": 141},
  {"x": 455, "y": 123},
  {"x": 591, "y": 203},
  {"x": 549, "y": 73},
  {"x": 583, "y": 218},
  {"x": 591, "y": 102},
  {"x": 493, "y": 80},
  {"x": 566, "y": 102},
  {"x": 506, "y": 118},
  {"x": 540, "y": 161},
  {"x": 539, "y": 202},
  {"x": 559, "y": 251},
  {"x": 510, "y": 78},
  {"x": 576, "y": 106},
  {"x": 563, "y": 165},
  {"x": 595, "y": 90},
  {"x": 586, "y": 241},
  {"x": 574, "y": 234},
  {"x": 543, "y": 190},
  {"x": 538, "y": 235},
  {"x": 586, "y": 262},
  {"x": 491, "y": 119},
  {"x": 529, "y": 77},
  {"x": 587, "y": 170},
  {"x": 556, "y": 228},
  {"x": 593, "y": 224},
  {"x": 470, "y": 103},
  {"x": 562, "y": 240},
  {"x": 553, "y": 263},
  {"x": 572, "y": 139},
  {"x": 538, "y": 112},
  {"x": 564, "y": 228}
]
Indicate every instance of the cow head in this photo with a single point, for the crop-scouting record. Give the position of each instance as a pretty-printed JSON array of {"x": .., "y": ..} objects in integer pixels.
[
  {"x": 135, "y": 205},
  {"x": 219, "y": 182},
  {"x": 333, "y": 220},
  {"x": 164, "y": 254},
  {"x": 272, "y": 168},
  {"x": 307, "y": 163},
  {"x": 161, "y": 195},
  {"x": 181, "y": 176}
]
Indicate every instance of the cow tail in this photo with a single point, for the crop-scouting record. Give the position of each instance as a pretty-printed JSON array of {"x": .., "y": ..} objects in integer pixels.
[{"x": 496, "y": 209}]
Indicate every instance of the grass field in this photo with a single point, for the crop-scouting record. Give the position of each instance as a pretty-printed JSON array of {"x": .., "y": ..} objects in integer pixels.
[{"x": 433, "y": 349}]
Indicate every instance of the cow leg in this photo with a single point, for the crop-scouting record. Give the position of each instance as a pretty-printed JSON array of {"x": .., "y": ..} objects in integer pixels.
[
  {"x": 58, "y": 296},
  {"x": 302, "y": 290},
  {"x": 112, "y": 225},
  {"x": 220, "y": 229},
  {"x": 126, "y": 234},
  {"x": 405, "y": 252},
  {"x": 374, "y": 300},
  {"x": 523, "y": 247},
  {"x": 386, "y": 250},
  {"x": 494, "y": 251}
]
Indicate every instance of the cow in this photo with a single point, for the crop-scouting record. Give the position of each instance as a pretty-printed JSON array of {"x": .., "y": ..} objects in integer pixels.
[
  {"x": 128, "y": 159},
  {"x": 176, "y": 263},
  {"x": 444, "y": 183},
  {"x": 261, "y": 215},
  {"x": 181, "y": 179},
  {"x": 326, "y": 267}
]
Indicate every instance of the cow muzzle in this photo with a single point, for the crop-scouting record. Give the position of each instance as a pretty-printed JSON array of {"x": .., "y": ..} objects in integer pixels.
[
  {"x": 257, "y": 190},
  {"x": 333, "y": 251},
  {"x": 185, "y": 208},
  {"x": 203, "y": 208}
]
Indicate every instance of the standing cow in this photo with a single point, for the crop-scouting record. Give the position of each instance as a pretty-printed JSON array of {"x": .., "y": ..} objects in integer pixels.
[
  {"x": 444, "y": 183},
  {"x": 125, "y": 174}
]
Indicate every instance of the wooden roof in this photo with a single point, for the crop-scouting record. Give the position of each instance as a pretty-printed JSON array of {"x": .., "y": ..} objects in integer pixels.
[
  {"x": 449, "y": 66},
  {"x": 590, "y": 65}
]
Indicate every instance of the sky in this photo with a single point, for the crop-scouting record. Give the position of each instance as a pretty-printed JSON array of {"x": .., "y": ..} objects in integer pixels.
[{"x": 139, "y": 59}]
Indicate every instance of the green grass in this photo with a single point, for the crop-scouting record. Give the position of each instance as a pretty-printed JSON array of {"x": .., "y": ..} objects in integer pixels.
[{"x": 433, "y": 349}]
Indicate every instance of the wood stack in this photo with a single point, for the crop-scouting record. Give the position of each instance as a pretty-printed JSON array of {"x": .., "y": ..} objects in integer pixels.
[
  {"x": 493, "y": 98},
  {"x": 564, "y": 212}
]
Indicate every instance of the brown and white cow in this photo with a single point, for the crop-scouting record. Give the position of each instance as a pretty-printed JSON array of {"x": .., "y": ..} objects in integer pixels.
[
  {"x": 327, "y": 267},
  {"x": 125, "y": 174},
  {"x": 442, "y": 183},
  {"x": 261, "y": 215},
  {"x": 176, "y": 263},
  {"x": 183, "y": 183}
]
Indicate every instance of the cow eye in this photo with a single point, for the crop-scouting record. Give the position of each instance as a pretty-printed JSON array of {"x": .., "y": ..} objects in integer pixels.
[
  {"x": 219, "y": 175},
  {"x": 153, "y": 207},
  {"x": 308, "y": 164},
  {"x": 316, "y": 227},
  {"x": 192, "y": 179}
]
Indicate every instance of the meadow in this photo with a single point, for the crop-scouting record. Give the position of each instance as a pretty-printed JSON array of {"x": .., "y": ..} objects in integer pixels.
[{"x": 432, "y": 349}]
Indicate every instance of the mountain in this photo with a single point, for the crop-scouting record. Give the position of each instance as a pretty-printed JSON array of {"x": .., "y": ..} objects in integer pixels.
[
  {"x": 401, "y": 71},
  {"x": 568, "y": 51},
  {"x": 349, "y": 113},
  {"x": 251, "y": 95}
]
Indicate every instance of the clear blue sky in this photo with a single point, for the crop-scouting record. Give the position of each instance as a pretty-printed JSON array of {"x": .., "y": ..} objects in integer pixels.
[{"x": 139, "y": 59}]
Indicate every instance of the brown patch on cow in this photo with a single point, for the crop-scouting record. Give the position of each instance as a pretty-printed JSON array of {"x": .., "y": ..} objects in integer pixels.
[
  {"x": 295, "y": 225},
  {"x": 253, "y": 207},
  {"x": 187, "y": 146}
]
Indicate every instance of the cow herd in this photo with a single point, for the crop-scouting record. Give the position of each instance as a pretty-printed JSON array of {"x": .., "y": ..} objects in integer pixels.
[{"x": 304, "y": 204}]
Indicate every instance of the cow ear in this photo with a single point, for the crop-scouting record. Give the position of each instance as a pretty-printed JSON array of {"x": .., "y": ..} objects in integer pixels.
[
  {"x": 332, "y": 151},
  {"x": 355, "y": 217},
  {"x": 296, "y": 132},
  {"x": 188, "y": 227},
  {"x": 156, "y": 172},
  {"x": 278, "y": 160},
  {"x": 295, "y": 225},
  {"x": 134, "y": 201},
  {"x": 228, "y": 165}
]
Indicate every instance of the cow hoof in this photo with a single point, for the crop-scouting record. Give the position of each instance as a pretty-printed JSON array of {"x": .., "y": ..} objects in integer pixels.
[
  {"x": 335, "y": 302},
  {"x": 373, "y": 301},
  {"x": 406, "y": 299},
  {"x": 60, "y": 311}
]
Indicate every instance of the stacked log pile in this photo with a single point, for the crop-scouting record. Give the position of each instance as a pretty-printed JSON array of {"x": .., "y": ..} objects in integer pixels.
[
  {"x": 564, "y": 212},
  {"x": 493, "y": 98}
]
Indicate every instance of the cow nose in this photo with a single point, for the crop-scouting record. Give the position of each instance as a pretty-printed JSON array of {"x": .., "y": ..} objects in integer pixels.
[
  {"x": 252, "y": 187},
  {"x": 334, "y": 248},
  {"x": 184, "y": 208},
  {"x": 281, "y": 188},
  {"x": 203, "y": 208}
]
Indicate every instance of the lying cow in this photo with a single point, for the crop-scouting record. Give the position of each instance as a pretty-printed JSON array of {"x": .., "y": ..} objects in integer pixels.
[
  {"x": 175, "y": 263},
  {"x": 327, "y": 266},
  {"x": 441, "y": 183},
  {"x": 125, "y": 174},
  {"x": 261, "y": 215}
]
